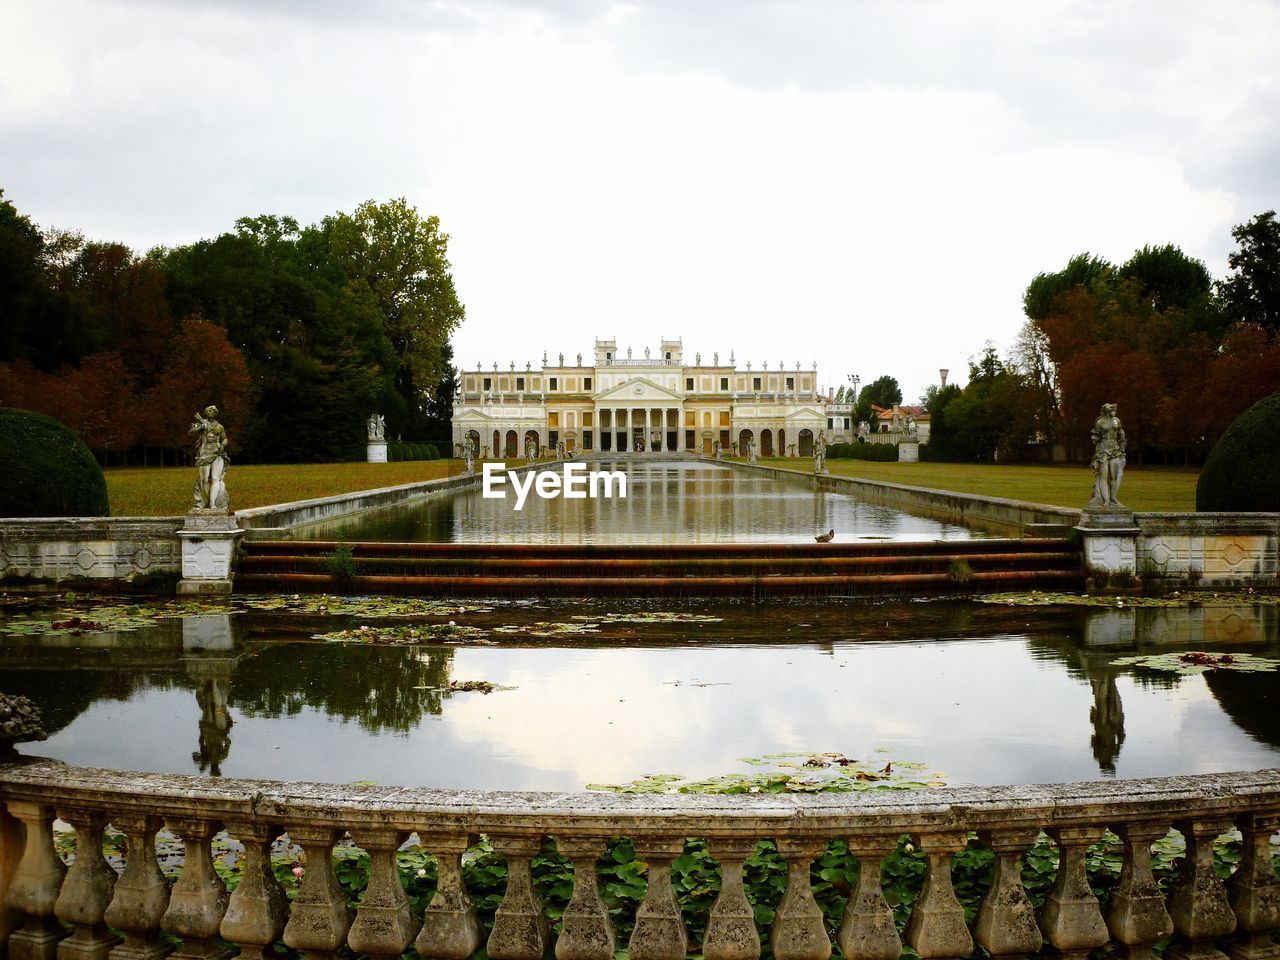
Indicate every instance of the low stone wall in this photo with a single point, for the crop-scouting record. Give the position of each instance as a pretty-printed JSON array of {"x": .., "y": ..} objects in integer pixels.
[
  {"x": 992, "y": 514},
  {"x": 1209, "y": 549},
  {"x": 276, "y": 521},
  {"x": 89, "y": 548}
]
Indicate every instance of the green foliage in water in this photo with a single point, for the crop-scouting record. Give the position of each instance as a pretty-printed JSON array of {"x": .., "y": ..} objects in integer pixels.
[
  {"x": 1243, "y": 469},
  {"x": 341, "y": 564},
  {"x": 47, "y": 470}
]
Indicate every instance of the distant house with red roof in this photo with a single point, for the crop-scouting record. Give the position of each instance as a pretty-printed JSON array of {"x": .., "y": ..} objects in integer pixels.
[{"x": 890, "y": 422}]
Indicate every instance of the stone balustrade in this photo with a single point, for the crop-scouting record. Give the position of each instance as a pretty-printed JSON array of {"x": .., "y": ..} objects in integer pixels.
[{"x": 88, "y": 912}]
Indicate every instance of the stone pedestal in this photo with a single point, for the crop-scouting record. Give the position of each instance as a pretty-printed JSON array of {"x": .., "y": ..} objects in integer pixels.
[
  {"x": 376, "y": 451},
  {"x": 1109, "y": 539},
  {"x": 909, "y": 451},
  {"x": 208, "y": 548}
]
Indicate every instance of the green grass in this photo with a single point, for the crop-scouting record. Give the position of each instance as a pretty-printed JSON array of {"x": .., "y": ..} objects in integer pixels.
[
  {"x": 1143, "y": 488},
  {"x": 166, "y": 491}
]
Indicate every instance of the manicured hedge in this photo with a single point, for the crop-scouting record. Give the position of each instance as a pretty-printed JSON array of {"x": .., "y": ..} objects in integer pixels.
[
  {"x": 398, "y": 451},
  {"x": 884, "y": 452},
  {"x": 46, "y": 470},
  {"x": 1243, "y": 469}
]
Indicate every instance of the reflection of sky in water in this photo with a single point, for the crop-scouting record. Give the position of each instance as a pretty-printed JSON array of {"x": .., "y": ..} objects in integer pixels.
[
  {"x": 666, "y": 502},
  {"x": 1020, "y": 701}
]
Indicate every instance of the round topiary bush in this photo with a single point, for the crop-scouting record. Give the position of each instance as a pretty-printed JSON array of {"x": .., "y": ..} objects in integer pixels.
[
  {"x": 1243, "y": 469},
  {"x": 48, "y": 471}
]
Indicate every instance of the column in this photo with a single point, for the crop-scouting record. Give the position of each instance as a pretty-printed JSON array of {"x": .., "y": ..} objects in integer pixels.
[{"x": 648, "y": 440}]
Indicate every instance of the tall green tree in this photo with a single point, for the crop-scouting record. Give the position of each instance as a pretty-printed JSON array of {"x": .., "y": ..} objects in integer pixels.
[{"x": 1252, "y": 293}]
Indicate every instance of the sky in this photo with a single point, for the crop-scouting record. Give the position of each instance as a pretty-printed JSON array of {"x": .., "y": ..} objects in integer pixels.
[{"x": 865, "y": 185}]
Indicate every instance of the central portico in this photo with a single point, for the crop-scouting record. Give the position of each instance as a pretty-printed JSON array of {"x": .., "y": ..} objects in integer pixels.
[{"x": 632, "y": 402}]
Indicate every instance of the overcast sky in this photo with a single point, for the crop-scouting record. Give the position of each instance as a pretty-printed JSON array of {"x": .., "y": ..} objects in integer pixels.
[{"x": 865, "y": 184}]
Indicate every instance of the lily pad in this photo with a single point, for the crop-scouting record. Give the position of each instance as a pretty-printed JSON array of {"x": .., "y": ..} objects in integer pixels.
[
  {"x": 1036, "y": 598},
  {"x": 1191, "y": 662},
  {"x": 389, "y": 607},
  {"x": 650, "y": 616},
  {"x": 406, "y": 634},
  {"x": 793, "y": 773}
]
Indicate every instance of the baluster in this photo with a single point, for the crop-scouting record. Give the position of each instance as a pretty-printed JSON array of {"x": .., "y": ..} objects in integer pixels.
[
  {"x": 731, "y": 926},
  {"x": 86, "y": 891},
  {"x": 141, "y": 894},
  {"x": 520, "y": 927},
  {"x": 867, "y": 930},
  {"x": 1138, "y": 917},
  {"x": 1006, "y": 923},
  {"x": 384, "y": 926},
  {"x": 33, "y": 891},
  {"x": 659, "y": 933},
  {"x": 799, "y": 931},
  {"x": 199, "y": 898},
  {"x": 258, "y": 908},
  {"x": 451, "y": 929},
  {"x": 1198, "y": 904},
  {"x": 1255, "y": 891},
  {"x": 320, "y": 916},
  {"x": 585, "y": 930},
  {"x": 1072, "y": 919},
  {"x": 937, "y": 927},
  {"x": 12, "y": 840}
]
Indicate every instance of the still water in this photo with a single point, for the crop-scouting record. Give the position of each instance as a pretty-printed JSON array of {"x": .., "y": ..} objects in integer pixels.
[
  {"x": 667, "y": 502},
  {"x": 985, "y": 694}
]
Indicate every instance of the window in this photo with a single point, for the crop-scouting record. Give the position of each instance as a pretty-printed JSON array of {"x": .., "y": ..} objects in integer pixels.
[
  {"x": 553, "y": 419},
  {"x": 586, "y": 383},
  {"x": 690, "y": 418},
  {"x": 831, "y": 423},
  {"x": 846, "y": 423},
  {"x": 488, "y": 384},
  {"x": 791, "y": 383},
  {"x": 688, "y": 440},
  {"x": 519, "y": 383},
  {"x": 724, "y": 383},
  {"x": 586, "y": 439},
  {"x": 587, "y": 417},
  {"x": 608, "y": 358},
  {"x": 755, "y": 383},
  {"x": 688, "y": 383},
  {"x": 554, "y": 383},
  {"x": 668, "y": 356},
  {"x": 553, "y": 437},
  {"x": 724, "y": 418}
]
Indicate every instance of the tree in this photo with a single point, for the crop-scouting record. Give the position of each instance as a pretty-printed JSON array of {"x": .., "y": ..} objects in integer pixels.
[
  {"x": 403, "y": 260},
  {"x": 202, "y": 368},
  {"x": 882, "y": 391},
  {"x": 1252, "y": 293},
  {"x": 992, "y": 417},
  {"x": 1082, "y": 270},
  {"x": 1031, "y": 359}
]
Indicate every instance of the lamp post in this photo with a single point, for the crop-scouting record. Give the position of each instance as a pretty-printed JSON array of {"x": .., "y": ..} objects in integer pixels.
[{"x": 855, "y": 380}]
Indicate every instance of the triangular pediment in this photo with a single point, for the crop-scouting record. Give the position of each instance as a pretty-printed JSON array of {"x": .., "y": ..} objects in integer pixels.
[
  {"x": 807, "y": 413},
  {"x": 636, "y": 392}
]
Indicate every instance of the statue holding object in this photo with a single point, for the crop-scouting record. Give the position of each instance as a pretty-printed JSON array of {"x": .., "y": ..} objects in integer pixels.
[
  {"x": 211, "y": 462},
  {"x": 1109, "y": 445}
]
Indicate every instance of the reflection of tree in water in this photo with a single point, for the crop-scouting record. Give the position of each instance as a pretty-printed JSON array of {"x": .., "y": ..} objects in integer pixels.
[
  {"x": 62, "y": 695},
  {"x": 374, "y": 685},
  {"x": 1251, "y": 700}
]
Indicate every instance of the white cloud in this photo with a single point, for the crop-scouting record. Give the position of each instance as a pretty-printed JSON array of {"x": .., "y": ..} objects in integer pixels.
[{"x": 869, "y": 185}]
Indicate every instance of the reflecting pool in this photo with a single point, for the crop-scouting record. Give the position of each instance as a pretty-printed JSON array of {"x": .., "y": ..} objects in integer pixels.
[
  {"x": 667, "y": 502},
  {"x": 983, "y": 693}
]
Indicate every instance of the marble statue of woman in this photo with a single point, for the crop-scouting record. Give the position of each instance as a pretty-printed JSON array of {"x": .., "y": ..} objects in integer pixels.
[
  {"x": 1108, "y": 458},
  {"x": 211, "y": 461},
  {"x": 820, "y": 454},
  {"x": 377, "y": 428}
]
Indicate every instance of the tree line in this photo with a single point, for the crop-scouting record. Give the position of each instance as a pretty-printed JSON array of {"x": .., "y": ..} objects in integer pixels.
[
  {"x": 1180, "y": 353},
  {"x": 296, "y": 333}
]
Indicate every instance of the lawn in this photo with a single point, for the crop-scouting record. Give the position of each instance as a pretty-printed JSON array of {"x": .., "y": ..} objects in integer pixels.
[
  {"x": 166, "y": 491},
  {"x": 1143, "y": 488}
]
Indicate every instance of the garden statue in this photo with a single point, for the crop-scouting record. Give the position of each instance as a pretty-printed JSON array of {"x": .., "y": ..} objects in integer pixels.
[
  {"x": 911, "y": 429},
  {"x": 1108, "y": 458},
  {"x": 377, "y": 428},
  {"x": 864, "y": 430},
  {"x": 560, "y": 449},
  {"x": 715, "y": 449},
  {"x": 530, "y": 449},
  {"x": 820, "y": 454},
  {"x": 211, "y": 461},
  {"x": 751, "y": 450},
  {"x": 470, "y": 449}
]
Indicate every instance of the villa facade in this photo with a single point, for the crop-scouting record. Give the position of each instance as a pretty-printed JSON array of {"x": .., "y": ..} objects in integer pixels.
[{"x": 625, "y": 404}]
